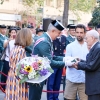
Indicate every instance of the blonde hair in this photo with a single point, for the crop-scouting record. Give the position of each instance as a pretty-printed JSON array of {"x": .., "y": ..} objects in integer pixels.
[{"x": 24, "y": 37}]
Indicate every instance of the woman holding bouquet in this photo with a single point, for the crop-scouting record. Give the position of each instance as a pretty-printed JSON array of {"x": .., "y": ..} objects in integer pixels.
[{"x": 15, "y": 90}]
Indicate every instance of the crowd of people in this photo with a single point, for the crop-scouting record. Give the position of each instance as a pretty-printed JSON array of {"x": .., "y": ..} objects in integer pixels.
[{"x": 81, "y": 81}]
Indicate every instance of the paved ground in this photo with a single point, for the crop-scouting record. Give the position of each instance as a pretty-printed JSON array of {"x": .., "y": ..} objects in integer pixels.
[
  {"x": 43, "y": 95},
  {"x": 1, "y": 95}
]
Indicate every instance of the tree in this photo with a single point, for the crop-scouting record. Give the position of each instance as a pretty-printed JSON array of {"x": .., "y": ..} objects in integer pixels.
[
  {"x": 34, "y": 7},
  {"x": 95, "y": 16},
  {"x": 82, "y": 5},
  {"x": 65, "y": 12},
  {"x": 75, "y": 6},
  {"x": 30, "y": 3}
]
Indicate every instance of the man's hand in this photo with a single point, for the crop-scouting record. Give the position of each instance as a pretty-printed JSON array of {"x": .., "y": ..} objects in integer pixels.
[{"x": 75, "y": 65}]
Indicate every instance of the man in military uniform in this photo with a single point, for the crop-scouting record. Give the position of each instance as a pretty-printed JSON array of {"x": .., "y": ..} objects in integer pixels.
[
  {"x": 54, "y": 81},
  {"x": 71, "y": 36},
  {"x": 39, "y": 32},
  {"x": 3, "y": 43},
  {"x": 44, "y": 47}
]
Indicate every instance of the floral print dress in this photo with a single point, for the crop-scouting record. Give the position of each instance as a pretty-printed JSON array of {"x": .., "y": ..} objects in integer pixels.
[{"x": 15, "y": 90}]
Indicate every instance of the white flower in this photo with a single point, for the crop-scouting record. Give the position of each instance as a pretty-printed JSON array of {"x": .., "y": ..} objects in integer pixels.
[
  {"x": 21, "y": 76},
  {"x": 32, "y": 74}
]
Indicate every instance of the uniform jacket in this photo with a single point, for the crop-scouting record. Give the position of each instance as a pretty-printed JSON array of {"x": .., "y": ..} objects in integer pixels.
[
  {"x": 69, "y": 39},
  {"x": 44, "y": 48},
  {"x": 28, "y": 50},
  {"x": 2, "y": 39},
  {"x": 36, "y": 37},
  {"x": 59, "y": 45},
  {"x": 92, "y": 70}
]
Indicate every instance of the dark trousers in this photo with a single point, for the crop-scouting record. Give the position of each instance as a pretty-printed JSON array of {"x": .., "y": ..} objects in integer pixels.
[
  {"x": 53, "y": 84},
  {"x": 94, "y": 97},
  {"x": 64, "y": 82},
  {"x": 5, "y": 70},
  {"x": 1, "y": 66},
  {"x": 35, "y": 91}
]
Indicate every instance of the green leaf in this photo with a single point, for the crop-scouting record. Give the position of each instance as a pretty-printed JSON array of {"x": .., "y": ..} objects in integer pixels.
[
  {"x": 51, "y": 70},
  {"x": 23, "y": 80},
  {"x": 95, "y": 17},
  {"x": 18, "y": 69}
]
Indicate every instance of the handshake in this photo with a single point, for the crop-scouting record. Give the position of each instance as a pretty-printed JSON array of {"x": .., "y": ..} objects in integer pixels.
[{"x": 71, "y": 61}]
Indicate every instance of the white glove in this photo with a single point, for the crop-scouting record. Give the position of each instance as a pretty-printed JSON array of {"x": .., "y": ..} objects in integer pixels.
[
  {"x": 66, "y": 58},
  {"x": 69, "y": 61}
]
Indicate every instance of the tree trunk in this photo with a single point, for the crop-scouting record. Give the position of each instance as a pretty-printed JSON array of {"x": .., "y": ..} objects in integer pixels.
[{"x": 65, "y": 12}]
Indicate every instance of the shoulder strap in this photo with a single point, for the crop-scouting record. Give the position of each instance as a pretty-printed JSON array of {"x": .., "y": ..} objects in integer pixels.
[{"x": 37, "y": 42}]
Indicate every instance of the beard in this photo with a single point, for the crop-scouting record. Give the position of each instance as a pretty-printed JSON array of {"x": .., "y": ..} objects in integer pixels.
[{"x": 80, "y": 39}]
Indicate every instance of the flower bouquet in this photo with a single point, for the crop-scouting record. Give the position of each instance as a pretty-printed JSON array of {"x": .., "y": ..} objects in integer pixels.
[{"x": 33, "y": 69}]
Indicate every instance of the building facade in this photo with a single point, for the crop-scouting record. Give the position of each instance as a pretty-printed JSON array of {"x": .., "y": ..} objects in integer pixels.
[{"x": 10, "y": 13}]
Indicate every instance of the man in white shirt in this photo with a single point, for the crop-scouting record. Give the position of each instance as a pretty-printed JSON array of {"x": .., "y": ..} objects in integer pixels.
[{"x": 75, "y": 82}]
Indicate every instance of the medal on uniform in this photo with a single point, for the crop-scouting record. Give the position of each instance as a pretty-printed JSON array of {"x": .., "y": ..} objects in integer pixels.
[{"x": 55, "y": 48}]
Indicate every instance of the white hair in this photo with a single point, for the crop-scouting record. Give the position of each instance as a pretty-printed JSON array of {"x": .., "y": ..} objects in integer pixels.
[
  {"x": 94, "y": 33},
  {"x": 51, "y": 27}
]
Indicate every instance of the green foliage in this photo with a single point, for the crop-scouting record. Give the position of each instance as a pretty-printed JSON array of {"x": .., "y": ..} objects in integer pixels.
[
  {"x": 28, "y": 2},
  {"x": 1, "y": 2},
  {"x": 40, "y": 2},
  {"x": 95, "y": 17},
  {"x": 23, "y": 80},
  {"x": 32, "y": 2},
  {"x": 74, "y": 5},
  {"x": 34, "y": 7},
  {"x": 82, "y": 5}
]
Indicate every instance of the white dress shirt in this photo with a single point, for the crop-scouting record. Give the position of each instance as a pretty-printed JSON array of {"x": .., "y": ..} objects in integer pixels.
[
  {"x": 75, "y": 49},
  {"x": 93, "y": 44},
  {"x": 11, "y": 46},
  {"x": 49, "y": 36}
]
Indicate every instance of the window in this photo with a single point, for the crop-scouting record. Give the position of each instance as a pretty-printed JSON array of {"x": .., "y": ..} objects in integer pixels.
[{"x": 71, "y": 22}]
